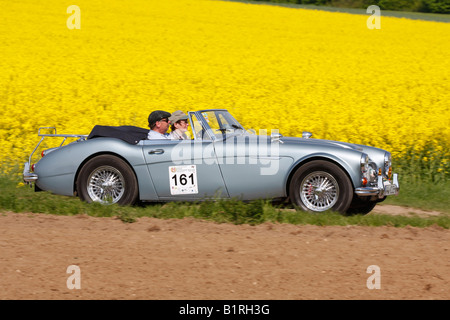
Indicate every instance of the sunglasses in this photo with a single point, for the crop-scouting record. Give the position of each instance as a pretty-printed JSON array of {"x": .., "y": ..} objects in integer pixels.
[{"x": 165, "y": 120}]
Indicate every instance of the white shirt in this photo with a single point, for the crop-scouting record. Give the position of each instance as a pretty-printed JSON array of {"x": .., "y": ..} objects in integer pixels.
[{"x": 152, "y": 134}]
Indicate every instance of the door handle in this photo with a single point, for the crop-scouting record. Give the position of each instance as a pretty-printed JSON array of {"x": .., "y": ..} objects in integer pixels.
[{"x": 156, "y": 151}]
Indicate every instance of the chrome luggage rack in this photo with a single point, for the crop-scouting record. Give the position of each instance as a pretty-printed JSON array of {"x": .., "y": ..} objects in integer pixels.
[{"x": 43, "y": 135}]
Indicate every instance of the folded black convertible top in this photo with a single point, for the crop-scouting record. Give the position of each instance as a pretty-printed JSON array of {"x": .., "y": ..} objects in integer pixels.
[{"x": 128, "y": 134}]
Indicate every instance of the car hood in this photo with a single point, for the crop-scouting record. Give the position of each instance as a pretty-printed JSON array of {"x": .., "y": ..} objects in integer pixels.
[
  {"x": 373, "y": 152},
  {"x": 331, "y": 143}
]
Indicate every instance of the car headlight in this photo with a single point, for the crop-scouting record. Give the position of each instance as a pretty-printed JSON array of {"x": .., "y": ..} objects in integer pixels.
[
  {"x": 388, "y": 165},
  {"x": 364, "y": 162},
  {"x": 364, "y": 165}
]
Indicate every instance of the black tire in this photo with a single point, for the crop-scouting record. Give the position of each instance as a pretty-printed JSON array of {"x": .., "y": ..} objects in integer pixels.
[
  {"x": 335, "y": 191},
  {"x": 107, "y": 179},
  {"x": 361, "y": 206}
]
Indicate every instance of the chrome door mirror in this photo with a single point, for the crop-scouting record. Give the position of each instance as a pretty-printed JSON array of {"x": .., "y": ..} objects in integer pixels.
[
  {"x": 306, "y": 135},
  {"x": 275, "y": 137}
]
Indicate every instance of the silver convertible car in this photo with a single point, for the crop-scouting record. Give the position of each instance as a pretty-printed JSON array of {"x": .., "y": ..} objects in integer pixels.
[{"x": 222, "y": 160}]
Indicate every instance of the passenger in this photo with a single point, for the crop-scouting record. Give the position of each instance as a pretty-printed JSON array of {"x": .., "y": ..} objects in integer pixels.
[
  {"x": 159, "y": 122},
  {"x": 179, "y": 125}
]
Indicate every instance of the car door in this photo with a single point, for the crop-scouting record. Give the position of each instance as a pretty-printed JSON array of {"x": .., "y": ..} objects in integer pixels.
[
  {"x": 251, "y": 166},
  {"x": 184, "y": 169}
]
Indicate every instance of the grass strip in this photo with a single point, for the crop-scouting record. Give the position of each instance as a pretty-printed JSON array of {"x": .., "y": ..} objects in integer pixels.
[{"x": 17, "y": 198}]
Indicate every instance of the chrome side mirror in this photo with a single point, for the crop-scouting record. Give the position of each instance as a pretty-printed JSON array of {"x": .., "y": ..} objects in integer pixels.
[
  {"x": 275, "y": 137},
  {"x": 306, "y": 135}
]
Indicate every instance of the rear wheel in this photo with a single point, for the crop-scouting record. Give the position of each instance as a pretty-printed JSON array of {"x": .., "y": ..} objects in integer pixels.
[
  {"x": 320, "y": 186},
  {"x": 107, "y": 179}
]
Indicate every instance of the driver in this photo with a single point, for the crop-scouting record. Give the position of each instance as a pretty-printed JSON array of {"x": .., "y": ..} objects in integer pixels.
[{"x": 159, "y": 123}]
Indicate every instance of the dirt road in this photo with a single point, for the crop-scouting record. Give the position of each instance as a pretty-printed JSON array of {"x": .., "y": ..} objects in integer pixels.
[{"x": 191, "y": 259}]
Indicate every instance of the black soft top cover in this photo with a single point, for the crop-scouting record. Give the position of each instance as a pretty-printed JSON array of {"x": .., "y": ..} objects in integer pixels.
[{"x": 128, "y": 134}]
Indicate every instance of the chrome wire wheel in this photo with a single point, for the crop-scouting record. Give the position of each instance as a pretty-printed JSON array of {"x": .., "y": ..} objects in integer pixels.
[
  {"x": 106, "y": 185},
  {"x": 319, "y": 191}
]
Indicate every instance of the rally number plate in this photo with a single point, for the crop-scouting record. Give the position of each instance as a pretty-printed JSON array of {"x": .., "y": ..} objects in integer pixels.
[{"x": 183, "y": 179}]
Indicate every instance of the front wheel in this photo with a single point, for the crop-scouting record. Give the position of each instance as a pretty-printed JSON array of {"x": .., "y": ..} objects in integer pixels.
[
  {"x": 107, "y": 179},
  {"x": 320, "y": 186}
]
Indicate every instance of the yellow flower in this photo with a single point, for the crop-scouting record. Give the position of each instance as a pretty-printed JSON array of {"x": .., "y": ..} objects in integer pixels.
[{"x": 272, "y": 67}]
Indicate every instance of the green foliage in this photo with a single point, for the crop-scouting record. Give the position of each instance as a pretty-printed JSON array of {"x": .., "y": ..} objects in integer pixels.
[
  {"x": 233, "y": 211},
  {"x": 18, "y": 198},
  {"x": 429, "y": 165},
  {"x": 398, "y": 5},
  {"x": 315, "y": 2},
  {"x": 431, "y": 6},
  {"x": 436, "y": 6}
]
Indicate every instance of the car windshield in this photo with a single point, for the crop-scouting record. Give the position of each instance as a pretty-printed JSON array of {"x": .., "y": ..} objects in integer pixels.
[{"x": 222, "y": 122}]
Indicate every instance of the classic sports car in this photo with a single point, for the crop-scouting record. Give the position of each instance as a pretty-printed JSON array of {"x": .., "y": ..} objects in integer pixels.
[{"x": 222, "y": 160}]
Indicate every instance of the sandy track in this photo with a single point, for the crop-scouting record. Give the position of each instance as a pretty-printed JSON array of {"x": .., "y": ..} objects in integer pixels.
[{"x": 191, "y": 259}]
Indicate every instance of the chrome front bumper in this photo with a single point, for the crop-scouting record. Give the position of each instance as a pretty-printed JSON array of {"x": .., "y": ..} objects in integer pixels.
[
  {"x": 28, "y": 176},
  {"x": 384, "y": 188}
]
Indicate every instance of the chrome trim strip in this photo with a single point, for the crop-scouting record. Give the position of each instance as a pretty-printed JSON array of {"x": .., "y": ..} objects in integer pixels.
[{"x": 367, "y": 191}]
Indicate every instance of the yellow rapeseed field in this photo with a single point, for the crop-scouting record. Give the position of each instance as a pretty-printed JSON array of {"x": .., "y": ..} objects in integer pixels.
[{"x": 272, "y": 67}]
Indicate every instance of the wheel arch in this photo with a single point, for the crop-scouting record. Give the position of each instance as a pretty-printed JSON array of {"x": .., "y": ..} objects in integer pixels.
[
  {"x": 75, "y": 191},
  {"x": 304, "y": 161}
]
